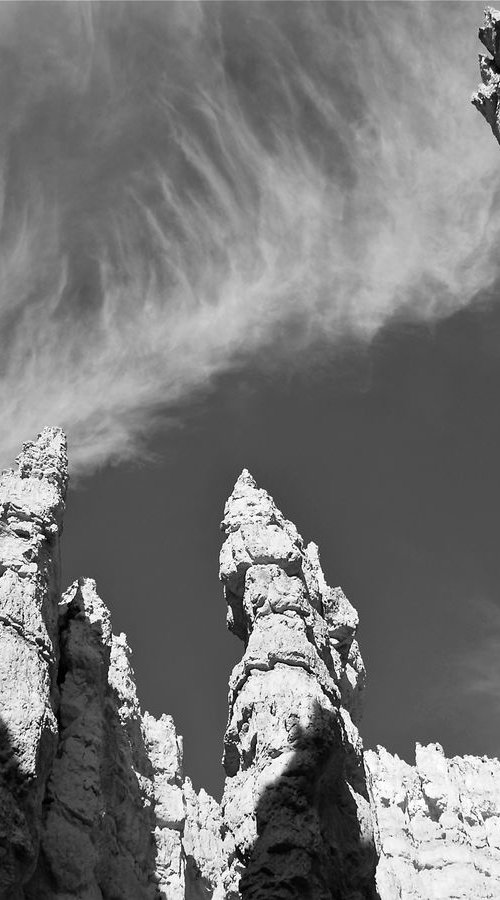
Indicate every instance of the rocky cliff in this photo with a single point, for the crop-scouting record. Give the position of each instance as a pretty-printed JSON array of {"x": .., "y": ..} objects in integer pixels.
[
  {"x": 486, "y": 98},
  {"x": 95, "y": 805}
]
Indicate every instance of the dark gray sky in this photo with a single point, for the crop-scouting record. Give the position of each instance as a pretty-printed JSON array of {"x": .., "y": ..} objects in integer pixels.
[{"x": 263, "y": 235}]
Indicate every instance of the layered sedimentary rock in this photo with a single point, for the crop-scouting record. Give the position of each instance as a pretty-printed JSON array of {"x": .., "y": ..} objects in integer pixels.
[
  {"x": 93, "y": 805},
  {"x": 437, "y": 825},
  {"x": 295, "y": 809},
  {"x": 93, "y": 801},
  {"x": 31, "y": 509},
  {"x": 99, "y": 804}
]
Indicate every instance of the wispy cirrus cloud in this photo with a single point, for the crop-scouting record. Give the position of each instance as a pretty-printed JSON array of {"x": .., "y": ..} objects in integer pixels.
[{"x": 187, "y": 188}]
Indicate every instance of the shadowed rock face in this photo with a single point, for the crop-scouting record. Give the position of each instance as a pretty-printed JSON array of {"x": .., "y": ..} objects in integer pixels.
[
  {"x": 486, "y": 98},
  {"x": 437, "y": 825},
  {"x": 92, "y": 800},
  {"x": 295, "y": 808}
]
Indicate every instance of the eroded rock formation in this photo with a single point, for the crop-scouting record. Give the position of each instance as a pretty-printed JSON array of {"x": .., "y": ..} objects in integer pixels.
[
  {"x": 94, "y": 803},
  {"x": 437, "y": 825},
  {"x": 31, "y": 509},
  {"x": 295, "y": 808},
  {"x": 486, "y": 98}
]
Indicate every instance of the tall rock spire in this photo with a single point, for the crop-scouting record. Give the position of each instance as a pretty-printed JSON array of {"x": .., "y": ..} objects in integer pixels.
[
  {"x": 295, "y": 807},
  {"x": 31, "y": 508}
]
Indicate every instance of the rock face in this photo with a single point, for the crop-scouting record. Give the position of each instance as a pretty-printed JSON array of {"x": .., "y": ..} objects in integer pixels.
[
  {"x": 31, "y": 509},
  {"x": 98, "y": 809},
  {"x": 486, "y": 98},
  {"x": 295, "y": 808},
  {"x": 94, "y": 804},
  {"x": 437, "y": 825},
  {"x": 93, "y": 801}
]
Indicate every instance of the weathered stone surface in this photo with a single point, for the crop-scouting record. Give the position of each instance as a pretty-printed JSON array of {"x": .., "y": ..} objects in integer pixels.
[
  {"x": 486, "y": 97},
  {"x": 203, "y": 847},
  {"x": 99, "y": 794},
  {"x": 31, "y": 508},
  {"x": 437, "y": 825},
  {"x": 94, "y": 803},
  {"x": 164, "y": 749},
  {"x": 296, "y": 817}
]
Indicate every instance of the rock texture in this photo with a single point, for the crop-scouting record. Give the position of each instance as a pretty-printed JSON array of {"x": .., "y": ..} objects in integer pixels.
[
  {"x": 437, "y": 825},
  {"x": 93, "y": 801},
  {"x": 295, "y": 809},
  {"x": 486, "y": 98},
  {"x": 98, "y": 809},
  {"x": 31, "y": 509}
]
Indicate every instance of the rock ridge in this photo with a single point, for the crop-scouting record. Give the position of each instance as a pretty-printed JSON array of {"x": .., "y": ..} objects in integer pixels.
[
  {"x": 294, "y": 704},
  {"x": 94, "y": 801}
]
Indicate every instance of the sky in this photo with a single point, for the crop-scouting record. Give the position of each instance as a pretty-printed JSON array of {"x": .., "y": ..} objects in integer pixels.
[{"x": 264, "y": 235}]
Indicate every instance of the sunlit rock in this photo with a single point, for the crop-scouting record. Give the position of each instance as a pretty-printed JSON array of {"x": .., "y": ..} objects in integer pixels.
[
  {"x": 295, "y": 809},
  {"x": 436, "y": 825},
  {"x": 31, "y": 509},
  {"x": 94, "y": 801}
]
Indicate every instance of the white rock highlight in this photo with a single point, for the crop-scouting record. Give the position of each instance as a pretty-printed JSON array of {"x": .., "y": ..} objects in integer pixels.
[
  {"x": 437, "y": 825},
  {"x": 94, "y": 802},
  {"x": 295, "y": 808}
]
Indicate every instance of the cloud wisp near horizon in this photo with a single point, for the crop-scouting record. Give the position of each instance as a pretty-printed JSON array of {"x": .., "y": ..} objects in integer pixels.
[{"x": 189, "y": 188}]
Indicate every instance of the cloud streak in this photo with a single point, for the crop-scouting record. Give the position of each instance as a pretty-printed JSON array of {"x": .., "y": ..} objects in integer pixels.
[{"x": 186, "y": 189}]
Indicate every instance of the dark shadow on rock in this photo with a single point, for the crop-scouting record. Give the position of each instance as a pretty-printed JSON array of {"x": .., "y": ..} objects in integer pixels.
[
  {"x": 310, "y": 843},
  {"x": 197, "y": 886},
  {"x": 18, "y": 820},
  {"x": 97, "y": 830}
]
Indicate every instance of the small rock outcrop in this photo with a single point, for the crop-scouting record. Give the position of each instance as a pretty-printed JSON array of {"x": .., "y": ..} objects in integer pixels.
[
  {"x": 486, "y": 97},
  {"x": 31, "y": 510},
  {"x": 437, "y": 825},
  {"x": 295, "y": 809}
]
